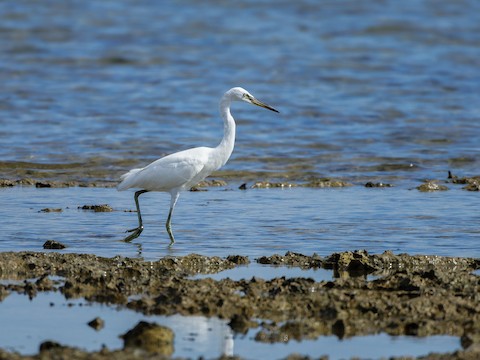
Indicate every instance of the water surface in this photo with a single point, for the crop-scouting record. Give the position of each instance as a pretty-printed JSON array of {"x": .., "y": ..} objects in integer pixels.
[
  {"x": 194, "y": 335},
  {"x": 372, "y": 90},
  {"x": 254, "y": 223}
]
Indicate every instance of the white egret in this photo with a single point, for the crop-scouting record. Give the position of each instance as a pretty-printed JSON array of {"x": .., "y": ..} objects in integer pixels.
[{"x": 182, "y": 170}]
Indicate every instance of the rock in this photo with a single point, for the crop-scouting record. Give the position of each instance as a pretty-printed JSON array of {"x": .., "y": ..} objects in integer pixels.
[
  {"x": 268, "y": 185},
  {"x": 211, "y": 183},
  {"x": 241, "y": 324},
  {"x": 44, "y": 283},
  {"x": 7, "y": 183},
  {"x": 195, "y": 189},
  {"x": 51, "y": 210},
  {"x": 238, "y": 259},
  {"x": 292, "y": 259},
  {"x": 96, "y": 323},
  {"x": 52, "y": 244},
  {"x": 150, "y": 337},
  {"x": 97, "y": 208},
  {"x": 49, "y": 345},
  {"x": 431, "y": 186},
  {"x": 473, "y": 185},
  {"x": 377, "y": 185},
  {"x": 412, "y": 328},
  {"x": 327, "y": 183},
  {"x": 355, "y": 263},
  {"x": 338, "y": 328},
  {"x": 470, "y": 340}
]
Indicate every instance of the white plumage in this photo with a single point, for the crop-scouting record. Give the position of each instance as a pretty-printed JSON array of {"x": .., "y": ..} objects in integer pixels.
[
  {"x": 177, "y": 170},
  {"x": 182, "y": 170}
]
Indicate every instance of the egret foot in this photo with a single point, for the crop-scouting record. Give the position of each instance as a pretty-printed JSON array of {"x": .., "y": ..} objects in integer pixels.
[
  {"x": 170, "y": 233},
  {"x": 140, "y": 228},
  {"x": 135, "y": 233}
]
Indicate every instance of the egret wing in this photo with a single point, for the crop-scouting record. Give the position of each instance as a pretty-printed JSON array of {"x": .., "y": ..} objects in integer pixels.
[{"x": 170, "y": 172}]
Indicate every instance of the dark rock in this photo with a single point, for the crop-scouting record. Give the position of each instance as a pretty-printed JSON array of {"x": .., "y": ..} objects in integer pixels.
[
  {"x": 52, "y": 244},
  {"x": 377, "y": 185},
  {"x": 338, "y": 328},
  {"x": 51, "y": 210},
  {"x": 97, "y": 208},
  {"x": 150, "y": 337},
  {"x": 96, "y": 323},
  {"x": 49, "y": 345},
  {"x": 431, "y": 186}
]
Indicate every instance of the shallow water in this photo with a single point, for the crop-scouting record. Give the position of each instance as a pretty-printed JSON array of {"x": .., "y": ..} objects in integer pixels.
[
  {"x": 269, "y": 272},
  {"x": 254, "y": 223},
  {"x": 194, "y": 336}
]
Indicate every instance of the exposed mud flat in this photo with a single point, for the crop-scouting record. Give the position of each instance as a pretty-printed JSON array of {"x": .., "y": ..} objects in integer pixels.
[
  {"x": 410, "y": 295},
  {"x": 257, "y": 181},
  {"x": 45, "y": 183}
]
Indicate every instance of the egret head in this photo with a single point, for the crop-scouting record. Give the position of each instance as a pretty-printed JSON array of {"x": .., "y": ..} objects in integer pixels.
[{"x": 240, "y": 94}]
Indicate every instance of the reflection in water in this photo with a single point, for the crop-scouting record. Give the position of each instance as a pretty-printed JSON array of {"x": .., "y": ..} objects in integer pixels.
[
  {"x": 48, "y": 316},
  {"x": 228, "y": 342},
  {"x": 268, "y": 272}
]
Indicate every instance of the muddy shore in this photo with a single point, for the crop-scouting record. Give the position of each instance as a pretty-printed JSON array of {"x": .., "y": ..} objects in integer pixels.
[
  {"x": 247, "y": 180},
  {"x": 409, "y": 295}
]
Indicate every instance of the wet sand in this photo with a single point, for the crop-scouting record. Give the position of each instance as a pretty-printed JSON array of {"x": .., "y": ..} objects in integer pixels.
[{"x": 409, "y": 295}]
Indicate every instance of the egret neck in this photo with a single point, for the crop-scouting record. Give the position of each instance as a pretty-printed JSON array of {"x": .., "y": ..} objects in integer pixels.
[{"x": 225, "y": 148}]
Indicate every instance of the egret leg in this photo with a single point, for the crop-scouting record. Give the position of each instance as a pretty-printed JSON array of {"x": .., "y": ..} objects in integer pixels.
[
  {"x": 138, "y": 230},
  {"x": 173, "y": 201},
  {"x": 169, "y": 226}
]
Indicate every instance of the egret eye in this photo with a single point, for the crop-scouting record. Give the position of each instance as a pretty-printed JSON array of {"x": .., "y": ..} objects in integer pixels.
[{"x": 248, "y": 97}]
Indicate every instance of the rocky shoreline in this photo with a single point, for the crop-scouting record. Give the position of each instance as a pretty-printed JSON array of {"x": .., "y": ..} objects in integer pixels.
[
  {"x": 408, "y": 295},
  {"x": 470, "y": 183}
]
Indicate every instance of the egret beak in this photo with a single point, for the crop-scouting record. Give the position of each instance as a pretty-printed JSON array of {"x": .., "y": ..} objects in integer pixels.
[{"x": 259, "y": 103}]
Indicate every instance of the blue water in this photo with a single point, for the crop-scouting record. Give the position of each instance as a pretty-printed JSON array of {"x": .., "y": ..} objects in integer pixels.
[
  {"x": 269, "y": 272},
  {"x": 366, "y": 89},
  {"x": 254, "y": 223}
]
